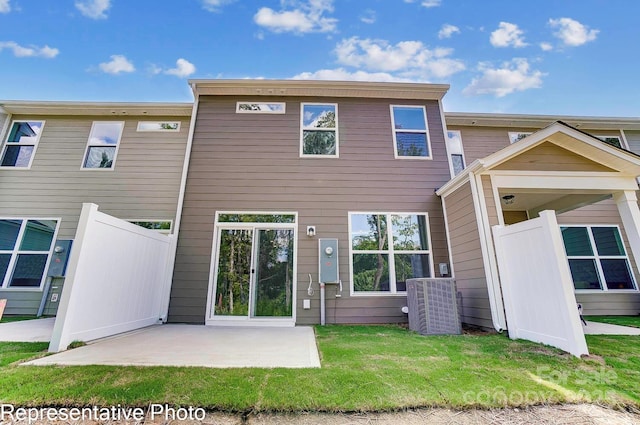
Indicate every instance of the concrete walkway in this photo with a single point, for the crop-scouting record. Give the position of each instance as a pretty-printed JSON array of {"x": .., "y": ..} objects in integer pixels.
[
  {"x": 190, "y": 345},
  {"x": 597, "y": 328},
  {"x": 35, "y": 330}
]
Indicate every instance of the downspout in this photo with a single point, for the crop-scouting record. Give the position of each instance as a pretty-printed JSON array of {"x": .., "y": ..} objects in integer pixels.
[{"x": 176, "y": 229}]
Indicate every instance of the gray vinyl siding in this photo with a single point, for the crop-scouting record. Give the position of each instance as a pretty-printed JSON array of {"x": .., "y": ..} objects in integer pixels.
[
  {"x": 633, "y": 139},
  {"x": 250, "y": 162},
  {"x": 144, "y": 183},
  {"x": 468, "y": 265}
]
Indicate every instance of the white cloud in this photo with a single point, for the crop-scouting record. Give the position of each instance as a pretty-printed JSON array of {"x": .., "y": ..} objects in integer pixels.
[
  {"x": 447, "y": 31},
  {"x": 117, "y": 65},
  {"x": 341, "y": 74},
  {"x": 411, "y": 59},
  {"x": 515, "y": 75},
  {"x": 215, "y": 5},
  {"x": 506, "y": 35},
  {"x": 94, "y": 9},
  {"x": 368, "y": 17},
  {"x": 5, "y": 7},
  {"x": 31, "y": 51},
  {"x": 183, "y": 69},
  {"x": 426, "y": 3},
  {"x": 305, "y": 17},
  {"x": 546, "y": 46},
  {"x": 572, "y": 32}
]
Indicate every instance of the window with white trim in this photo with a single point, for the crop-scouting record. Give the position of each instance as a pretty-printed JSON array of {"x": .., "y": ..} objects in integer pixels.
[
  {"x": 319, "y": 130},
  {"x": 516, "y": 136},
  {"x": 456, "y": 154},
  {"x": 597, "y": 258},
  {"x": 387, "y": 249},
  {"x": 167, "y": 126},
  {"x": 25, "y": 250},
  {"x": 20, "y": 146},
  {"x": 611, "y": 140},
  {"x": 102, "y": 146},
  {"x": 410, "y": 132},
  {"x": 260, "y": 107}
]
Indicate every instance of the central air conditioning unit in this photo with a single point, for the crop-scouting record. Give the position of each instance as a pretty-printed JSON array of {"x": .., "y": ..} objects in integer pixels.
[{"x": 433, "y": 306}]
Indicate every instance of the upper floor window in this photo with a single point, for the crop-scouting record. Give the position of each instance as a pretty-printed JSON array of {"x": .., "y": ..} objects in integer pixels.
[
  {"x": 158, "y": 126},
  {"x": 260, "y": 107},
  {"x": 611, "y": 140},
  {"x": 456, "y": 155},
  {"x": 410, "y": 132},
  {"x": 102, "y": 146},
  {"x": 517, "y": 136},
  {"x": 25, "y": 249},
  {"x": 597, "y": 258},
  {"x": 20, "y": 146},
  {"x": 387, "y": 249},
  {"x": 319, "y": 130}
]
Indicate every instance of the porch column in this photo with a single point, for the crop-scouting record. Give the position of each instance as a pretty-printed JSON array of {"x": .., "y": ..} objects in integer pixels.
[{"x": 627, "y": 203}]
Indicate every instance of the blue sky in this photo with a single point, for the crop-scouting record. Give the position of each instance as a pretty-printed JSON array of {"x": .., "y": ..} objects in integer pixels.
[{"x": 569, "y": 57}]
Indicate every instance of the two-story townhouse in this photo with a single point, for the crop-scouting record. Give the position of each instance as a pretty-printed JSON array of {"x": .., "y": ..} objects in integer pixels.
[
  {"x": 278, "y": 168},
  {"x": 54, "y": 156}
]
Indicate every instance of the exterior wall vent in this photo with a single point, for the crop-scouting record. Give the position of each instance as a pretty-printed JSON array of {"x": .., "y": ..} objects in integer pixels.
[{"x": 433, "y": 306}]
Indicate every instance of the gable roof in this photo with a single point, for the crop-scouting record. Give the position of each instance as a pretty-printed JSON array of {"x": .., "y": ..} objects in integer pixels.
[{"x": 564, "y": 136}]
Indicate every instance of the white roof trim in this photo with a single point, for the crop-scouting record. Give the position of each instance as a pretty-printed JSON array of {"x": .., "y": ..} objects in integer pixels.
[
  {"x": 27, "y": 107},
  {"x": 559, "y": 134}
]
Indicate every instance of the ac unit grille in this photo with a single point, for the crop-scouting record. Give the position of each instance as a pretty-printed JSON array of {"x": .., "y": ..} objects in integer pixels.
[{"x": 433, "y": 306}]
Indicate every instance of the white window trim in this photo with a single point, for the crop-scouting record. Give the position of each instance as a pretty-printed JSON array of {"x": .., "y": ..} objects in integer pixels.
[
  {"x": 16, "y": 251},
  {"x": 161, "y": 130},
  {"x": 390, "y": 252},
  {"x": 303, "y": 128},
  {"x": 597, "y": 257},
  {"x": 623, "y": 143},
  {"x": 516, "y": 133},
  {"x": 155, "y": 220},
  {"x": 394, "y": 130},
  {"x": 449, "y": 154},
  {"x": 35, "y": 145},
  {"x": 89, "y": 145},
  {"x": 244, "y": 111}
]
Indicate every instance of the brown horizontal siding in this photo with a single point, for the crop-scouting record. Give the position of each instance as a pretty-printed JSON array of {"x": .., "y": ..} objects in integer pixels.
[
  {"x": 468, "y": 265},
  {"x": 251, "y": 162}
]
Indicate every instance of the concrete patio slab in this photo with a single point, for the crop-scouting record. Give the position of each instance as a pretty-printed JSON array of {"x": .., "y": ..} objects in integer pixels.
[
  {"x": 35, "y": 330},
  {"x": 205, "y": 346},
  {"x": 597, "y": 328}
]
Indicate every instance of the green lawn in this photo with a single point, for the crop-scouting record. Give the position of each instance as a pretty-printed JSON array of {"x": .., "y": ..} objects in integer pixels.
[
  {"x": 364, "y": 368},
  {"x": 7, "y": 319},
  {"x": 633, "y": 321}
]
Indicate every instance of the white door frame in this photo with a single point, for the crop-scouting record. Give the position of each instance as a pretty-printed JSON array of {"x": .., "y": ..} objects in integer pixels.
[{"x": 210, "y": 317}]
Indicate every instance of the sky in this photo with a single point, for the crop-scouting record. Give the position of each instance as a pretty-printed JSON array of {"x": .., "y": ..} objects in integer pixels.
[{"x": 562, "y": 57}]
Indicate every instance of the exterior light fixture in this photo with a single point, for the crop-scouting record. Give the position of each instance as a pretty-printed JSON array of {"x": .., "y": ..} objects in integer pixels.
[{"x": 508, "y": 199}]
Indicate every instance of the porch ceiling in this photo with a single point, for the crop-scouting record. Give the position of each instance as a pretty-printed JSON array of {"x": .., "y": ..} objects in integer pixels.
[{"x": 536, "y": 200}]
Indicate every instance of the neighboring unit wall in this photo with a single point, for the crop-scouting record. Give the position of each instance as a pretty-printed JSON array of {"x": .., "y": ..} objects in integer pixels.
[
  {"x": 251, "y": 162},
  {"x": 468, "y": 265},
  {"x": 633, "y": 139},
  {"x": 144, "y": 183}
]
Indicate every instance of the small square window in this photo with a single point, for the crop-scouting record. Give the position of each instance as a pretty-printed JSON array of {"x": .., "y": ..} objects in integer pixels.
[
  {"x": 410, "y": 133},
  {"x": 319, "y": 128},
  {"x": 102, "y": 146},
  {"x": 260, "y": 107},
  {"x": 611, "y": 140},
  {"x": 20, "y": 146},
  {"x": 517, "y": 136}
]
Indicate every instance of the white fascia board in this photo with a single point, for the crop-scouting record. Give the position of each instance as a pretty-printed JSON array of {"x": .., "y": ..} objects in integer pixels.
[{"x": 452, "y": 185}]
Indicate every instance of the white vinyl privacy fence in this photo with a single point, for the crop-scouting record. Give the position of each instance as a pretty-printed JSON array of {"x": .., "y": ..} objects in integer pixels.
[
  {"x": 537, "y": 288},
  {"x": 117, "y": 279}
]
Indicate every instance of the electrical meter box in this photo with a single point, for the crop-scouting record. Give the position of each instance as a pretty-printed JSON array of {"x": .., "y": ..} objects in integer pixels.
[
  {"x": 328, "y": 260},
  {"x": 60, "y": 258}
]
